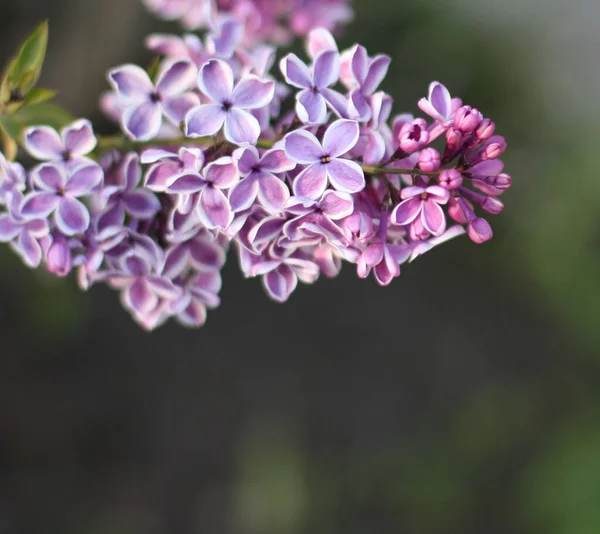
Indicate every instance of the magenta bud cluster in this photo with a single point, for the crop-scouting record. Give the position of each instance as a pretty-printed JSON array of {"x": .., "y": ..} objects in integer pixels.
[{"x": 294, "y": 167}]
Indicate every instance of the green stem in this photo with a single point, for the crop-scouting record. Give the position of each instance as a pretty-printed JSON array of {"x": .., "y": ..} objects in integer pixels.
[{"x": 374, "y": 169}]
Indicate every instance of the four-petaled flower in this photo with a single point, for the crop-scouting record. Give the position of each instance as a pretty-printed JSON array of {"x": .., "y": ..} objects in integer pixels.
[
  {"x": 230, "y": 104},
  {"x": 57, "y": 191},
  {"x": 145, "y": 102},
  {"x": 259, "y": 180},
  {"x": 324, "y": 161},
  {"x": 311, "y": 102},
  {"x": 424, "y": 202}
]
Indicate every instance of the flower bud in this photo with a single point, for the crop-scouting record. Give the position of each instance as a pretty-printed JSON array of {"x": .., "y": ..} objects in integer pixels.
[
  {"x": 492, "y": 205},
  {"x": 429, "y": 160},
  {"x": 485, "y": 130},
  {"x": 413, "y": 136},
  {"x": 450, "y": 179},
  {"x": 358, "y": 226},
  {"x": 59, "y": 261},
  {"x": 467, "y": 118},
  {"x": 494, "y": 147},
  {"x": 479, "y": 230},
  {"x": 460, "y": 210}
]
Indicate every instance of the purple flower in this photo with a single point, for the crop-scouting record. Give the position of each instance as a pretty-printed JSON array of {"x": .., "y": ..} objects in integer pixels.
[
  {"x": 314, "y": 218},
  {"x": 25, "y": 235},
  {"x": 167, "y": 166},
  {"x": 259, "y": 180},
  {"x": 324, "y": 161},
  {"x": 439, "y": 105},
  {"x": 123, "y": 195},
  {"x": 311, "y": 102},
  {"x": 384, "y": 259},
  {"x": 74, "y": 142},
  {"x": 213, "y": 206},
  {"x": 12, "y": 179},
  {"x": 145, "y": 102},
  {"x": 57, "y": 191},
  {"x": 424, "y": 202},
  {"x": 363, "y": 75},
  {"x": 230, "y": 104}
]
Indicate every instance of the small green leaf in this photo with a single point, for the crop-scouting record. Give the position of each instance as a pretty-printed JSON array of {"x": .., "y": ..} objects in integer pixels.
[
  {"x": 8, "y": 146},
  {"x": 152, "y": 69},
  {"x": 23, "y": 71},
  {"x": 38, "y": 95}
]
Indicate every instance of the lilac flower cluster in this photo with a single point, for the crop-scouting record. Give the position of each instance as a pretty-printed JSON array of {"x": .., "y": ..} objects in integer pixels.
[{"x": 209, "y": 160}]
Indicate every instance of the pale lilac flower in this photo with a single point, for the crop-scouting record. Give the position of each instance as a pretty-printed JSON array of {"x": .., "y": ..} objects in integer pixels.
[
  {"x": 363, "y": 75},
  {"x": 312, "y": 100},
  {"x": 230, "y": 104},
  {"x": 213, "y": 205},
  {"x": 384, "y": 259},
  {"x": 12, "y": 179},
  {"x": 424, "y": 202},
  {"x": 146, "y": 102},
  {"x": 315, "y": 218},
  {"x": 25, "y": 235},
  {"x": 167, "y": 165},
  {"x": 324, "y": 162},
  {"x": 439, "y": 105},
  {"x": 123, "y": 194},
  {"x": 59, "y": 258},
  {"x": 259, "y": 179},
  {"x": 70, "y": 146},
  {"x": 57, "y": 190},
  {"x": 412, "y": 136},
  {"x": 376, "y": 136}
]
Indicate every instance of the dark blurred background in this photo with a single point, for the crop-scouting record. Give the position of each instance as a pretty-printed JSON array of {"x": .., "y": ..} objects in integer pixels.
[{"x": 464, "y": 398}]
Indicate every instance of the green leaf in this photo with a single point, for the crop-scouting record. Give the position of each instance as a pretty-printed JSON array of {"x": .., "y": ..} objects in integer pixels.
[
  {"x": 23, "y": 71},
  {"x": 38, "y": 95}
]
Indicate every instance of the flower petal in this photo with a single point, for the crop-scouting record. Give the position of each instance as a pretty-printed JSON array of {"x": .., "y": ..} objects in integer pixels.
[
  {"x": 131, "y": 81},
  {"x": 79, "y": 138},
  {"x": 84, "y": 179},
  {"x": 433, "y": 218},
  {"x": 214, "y": 208},
  {"x": 252, "y": 93},
  {"x": 215, "y": 80},
  {"x": 243, "y": 194},
  {"x": 141, "y": 204},
  {"x": 280, "y": 283},
  {"x": 407, "y": 211},
  {"x": 241, "y": 127},
  {"x": 326, "y": 68},
  {"x": 340, "y": 137},
  {"x": 30, "y": 249},
  {"x": 346, "y": 175},
  {"x": 276, "y": 161},
  {"x": 177, "y": 107},
  {"x": 43, "y": 143},
  {"x": 204, "y": 120},
  {"x": 176, "y": 78},
  {"x": 143, "y": 122},
  {"x": 71, "y": 216},
  {"x": 296, "y": 73},
  {"x": 140, "y": 298},
  {"x": 222, "y": 173},
  {"x": 311, "y": 107},
  {"x": 39, "y": 205},
  {"x": 186, "y": 184},
  {"x": 377, "y": 72},
  {"x": 9, "y": 229},
  {"x": 49, "y": 177},
  {"x": 311, "y": 182},
  {"x": 273, "y": 193},
  {"x": 303, "y": 147},
  {"x": 337, "y": 205}
]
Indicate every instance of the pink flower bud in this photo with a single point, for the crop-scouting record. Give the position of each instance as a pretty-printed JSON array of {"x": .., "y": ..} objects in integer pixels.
[
  {"x": 485, "y": 130},
  {"x": 413, "y": 136},
  {"x": 358, "y": 226},
  {"x": 450, "y": 179},
  {"x": 59, "y": 261},
  {"x": 492, "y": 205},
  {"x": 460, "y": 210},
  {"x": 479, "y": 230},
  {"x": 467, "y": 118},
  {"x": 429, "y": 160},
  {"x": 453, "y": 140},
  {"x": 494, "y": 147}
]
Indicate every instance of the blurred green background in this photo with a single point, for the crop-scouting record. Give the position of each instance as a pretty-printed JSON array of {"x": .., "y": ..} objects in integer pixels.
[{"x": 464, "y": 398}]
